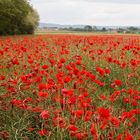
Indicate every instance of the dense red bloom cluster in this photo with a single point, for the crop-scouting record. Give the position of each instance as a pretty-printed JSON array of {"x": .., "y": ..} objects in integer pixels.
[
  {"x": 70, "y": 87},
  {"x": 104, "y": 113}
]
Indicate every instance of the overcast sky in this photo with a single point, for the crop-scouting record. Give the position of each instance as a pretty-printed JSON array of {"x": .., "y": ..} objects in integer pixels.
[{"x": 93, "y": 12}]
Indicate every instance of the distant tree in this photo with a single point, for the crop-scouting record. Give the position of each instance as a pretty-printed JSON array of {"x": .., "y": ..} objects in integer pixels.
[
  {"x": 88, "y": 28},
  {"x": 94, "y": 28},
  {"x": 70, "y": 28},
  {"x": 103, "y": 29},
  {"x": 121, "y": 30},
  {"x": 132, "y": 28},
  {"x": 17, "y": 17}
]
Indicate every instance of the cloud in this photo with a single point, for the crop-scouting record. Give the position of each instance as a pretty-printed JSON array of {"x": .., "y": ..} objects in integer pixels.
[
  {"x": 91, "y": 12},
  {"x": 92, "y": 1},
  {"x": 114, "y": 1}
]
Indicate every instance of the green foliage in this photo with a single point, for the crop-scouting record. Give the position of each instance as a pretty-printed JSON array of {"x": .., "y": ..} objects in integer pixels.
[
  {"x": 88, "y": 28},
  {"x": 17, "y": 17}
]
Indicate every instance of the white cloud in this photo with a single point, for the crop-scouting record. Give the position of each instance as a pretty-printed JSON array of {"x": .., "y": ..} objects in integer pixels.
[
  {"x": 114, "y": 1},
  {"x": 103, "y": 12}
]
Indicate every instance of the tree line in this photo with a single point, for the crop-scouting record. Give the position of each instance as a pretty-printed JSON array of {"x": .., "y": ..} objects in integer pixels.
[
  {"x": 89, "y": 28},
  {"x": 17, "y": 17}
]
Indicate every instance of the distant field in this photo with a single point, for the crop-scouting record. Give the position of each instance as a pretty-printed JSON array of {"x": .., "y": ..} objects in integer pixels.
[
  {"x": 63, "y": 32},
  {"x": 75, "y": 32},
  {"x": 69, "y": 32}
]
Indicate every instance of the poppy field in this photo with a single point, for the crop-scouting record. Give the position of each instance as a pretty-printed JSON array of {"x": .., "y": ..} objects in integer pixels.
[{"x": 70, "y": 87}]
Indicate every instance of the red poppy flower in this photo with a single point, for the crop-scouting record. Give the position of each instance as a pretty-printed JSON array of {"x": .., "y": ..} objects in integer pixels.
[
  {"x": 72, "y": 128},
  {"x": 118, "y": 82},
  {"x": 42, "y": 86},
  {"x": 43, "y": 94},
  {"x": 45, "y": 114},
  {"x": 42, "y": 132}
]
